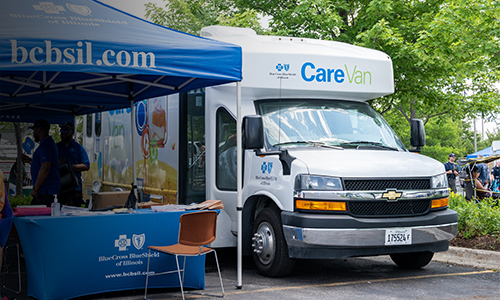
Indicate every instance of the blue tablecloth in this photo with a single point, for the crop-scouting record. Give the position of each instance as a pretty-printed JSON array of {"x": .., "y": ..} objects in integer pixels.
[{"x": 71, "y": 256}]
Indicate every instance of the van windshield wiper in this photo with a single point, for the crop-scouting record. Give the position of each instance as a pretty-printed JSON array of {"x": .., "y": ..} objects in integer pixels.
[
  {"x": 375, "y": 144},
  {"x": 311, "y": 143}
]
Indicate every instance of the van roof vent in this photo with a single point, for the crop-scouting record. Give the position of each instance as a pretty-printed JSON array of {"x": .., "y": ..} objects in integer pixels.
[{"x": 217, "y": 30}]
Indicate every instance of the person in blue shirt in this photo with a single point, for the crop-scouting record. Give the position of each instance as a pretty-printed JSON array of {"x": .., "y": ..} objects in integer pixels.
[
  {"x": 70, "y": 150},
  {"x": 452, "y": 170},
  {"x": 44, "y": 165}
]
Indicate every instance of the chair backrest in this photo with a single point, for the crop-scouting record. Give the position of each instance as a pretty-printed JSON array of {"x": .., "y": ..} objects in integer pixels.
[
  {"x": 198, "y": 228},
  {"x": 469, "y": 190}
]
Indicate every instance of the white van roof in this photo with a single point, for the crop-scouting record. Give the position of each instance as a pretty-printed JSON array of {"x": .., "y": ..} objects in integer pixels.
[{"x": 303, "y": 67}]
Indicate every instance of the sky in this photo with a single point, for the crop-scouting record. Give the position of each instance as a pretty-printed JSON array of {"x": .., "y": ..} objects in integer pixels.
[{"x": 133, "y": 7}]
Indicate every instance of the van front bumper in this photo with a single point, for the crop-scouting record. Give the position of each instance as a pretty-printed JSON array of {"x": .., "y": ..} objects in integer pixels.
[{"x": 342, "y": 236}]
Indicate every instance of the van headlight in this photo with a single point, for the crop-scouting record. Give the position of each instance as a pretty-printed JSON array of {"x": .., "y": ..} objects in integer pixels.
[
  {"x": 313, "y": 182},
  {"x": 439, "y": 181}
]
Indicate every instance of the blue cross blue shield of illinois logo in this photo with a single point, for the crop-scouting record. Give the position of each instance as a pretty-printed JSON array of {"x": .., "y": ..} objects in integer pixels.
[
  {"x": 138, "y": 240},
  {"x": 79, "y": 9}
]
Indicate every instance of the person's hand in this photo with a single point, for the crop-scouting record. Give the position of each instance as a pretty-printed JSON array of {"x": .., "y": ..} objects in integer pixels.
[
  {"x": 62, "y": 161},
  {"x": 34, "y": 193}
]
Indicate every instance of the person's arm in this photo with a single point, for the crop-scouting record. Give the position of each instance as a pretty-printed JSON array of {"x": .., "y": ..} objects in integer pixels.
[
  {"x": 480, "y": 187},
  {"x": 447, "y": 168},
  {"x": 84, "y": 163},
  {"x": 42, "y": 175},
  {"x": 80, "y": 167}
]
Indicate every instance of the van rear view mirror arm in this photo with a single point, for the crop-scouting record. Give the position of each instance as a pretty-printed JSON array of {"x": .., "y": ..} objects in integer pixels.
[{"x": 285, "y": 158}]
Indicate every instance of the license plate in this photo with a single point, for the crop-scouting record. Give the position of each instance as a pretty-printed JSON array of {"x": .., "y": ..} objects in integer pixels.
[{"x": 400, "y": 236}]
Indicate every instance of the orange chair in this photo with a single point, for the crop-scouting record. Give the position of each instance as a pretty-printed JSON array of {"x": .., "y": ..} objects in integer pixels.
[{"x": 195, "y": 230}]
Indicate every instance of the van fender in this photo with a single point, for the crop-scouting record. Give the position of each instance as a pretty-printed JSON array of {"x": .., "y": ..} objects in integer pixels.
[{"x": 251, "y": 208}]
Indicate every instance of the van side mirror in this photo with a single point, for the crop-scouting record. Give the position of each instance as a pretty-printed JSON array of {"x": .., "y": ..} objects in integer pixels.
[
  {"x": 417, "y": 139},
  {"x": 253, "y": 132}
]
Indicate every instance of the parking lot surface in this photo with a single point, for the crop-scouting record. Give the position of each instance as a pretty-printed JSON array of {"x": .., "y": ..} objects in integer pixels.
[{"x": 355, "y": 278}]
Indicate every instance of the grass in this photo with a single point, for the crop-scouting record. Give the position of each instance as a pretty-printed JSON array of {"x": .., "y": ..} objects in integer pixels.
[{"x": 476, "y": 219}]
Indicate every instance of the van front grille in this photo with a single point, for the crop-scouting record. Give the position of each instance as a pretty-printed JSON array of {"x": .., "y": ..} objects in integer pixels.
[
  {"x": 388, "y": 209},
  {"x": 385, "y": 184}
]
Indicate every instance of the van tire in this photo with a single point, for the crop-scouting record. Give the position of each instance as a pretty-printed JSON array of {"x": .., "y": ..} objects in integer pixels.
[
  {"x": 413, "y": 260},
  {"x": 269, "y": 248}
]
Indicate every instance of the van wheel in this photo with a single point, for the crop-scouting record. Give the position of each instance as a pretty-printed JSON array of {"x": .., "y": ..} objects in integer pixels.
[
  {"x": 270, "y": 251},
  {"x": 412, "y": 260}
]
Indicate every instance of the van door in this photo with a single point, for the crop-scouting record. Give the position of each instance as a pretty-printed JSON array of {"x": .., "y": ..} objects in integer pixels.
[{"x": 192, "y": 147}]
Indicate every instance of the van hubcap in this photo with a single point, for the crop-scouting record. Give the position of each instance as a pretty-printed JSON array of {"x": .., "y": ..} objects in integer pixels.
[{"x": 263, "y": 243}]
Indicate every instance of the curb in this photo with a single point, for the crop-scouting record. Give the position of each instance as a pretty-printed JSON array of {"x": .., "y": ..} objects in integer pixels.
[{"x": 470, "y": 257}]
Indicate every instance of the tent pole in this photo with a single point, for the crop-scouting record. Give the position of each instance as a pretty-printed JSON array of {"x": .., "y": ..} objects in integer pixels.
[
  {"x": 239, "y": 206},
  {"x": 132, "y": 123}
]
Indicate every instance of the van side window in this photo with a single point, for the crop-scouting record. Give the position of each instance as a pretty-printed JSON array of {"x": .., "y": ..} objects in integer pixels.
[
  {"x": 226, "y": 151},
  {"x": 98, "y": 118},
  {"x": 89, "y": 125}
]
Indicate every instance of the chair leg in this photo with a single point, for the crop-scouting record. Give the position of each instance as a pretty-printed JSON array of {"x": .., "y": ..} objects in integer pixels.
[
  {"x": 184, "y": 269},
  {"x": 18, "y": 269},
  {"x": 218, "y": 269},
  {"x": 179, "y": 273},
  {"x": 147, "y": 276}
]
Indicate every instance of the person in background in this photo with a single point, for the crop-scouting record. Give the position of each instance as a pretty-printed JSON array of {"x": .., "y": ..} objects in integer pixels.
[
  {"x": 452, "y": 172},
  {"x": 44, "y": 165},
  {"x": 496, "y": 171},
  {"x": 484, "y": 173},
  {"x": 70, "y": 150},
  {"x": 495, "y": 183},
  {"x": 13, "y": 171},
  {"x": 481, "y": 190}
]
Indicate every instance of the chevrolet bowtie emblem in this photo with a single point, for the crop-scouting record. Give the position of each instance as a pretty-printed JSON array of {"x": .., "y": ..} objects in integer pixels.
[{"x": 392, "y": 195}]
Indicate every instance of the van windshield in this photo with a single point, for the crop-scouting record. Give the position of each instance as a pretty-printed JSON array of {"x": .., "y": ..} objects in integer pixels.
[{"x": 344, "y": 124}]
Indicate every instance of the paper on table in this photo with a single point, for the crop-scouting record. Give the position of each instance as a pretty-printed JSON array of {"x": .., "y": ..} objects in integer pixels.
[
  {"x": 168, "y": 207},
  {"x": 208, "y": 204},
  {"x": 82, "y": 211}
]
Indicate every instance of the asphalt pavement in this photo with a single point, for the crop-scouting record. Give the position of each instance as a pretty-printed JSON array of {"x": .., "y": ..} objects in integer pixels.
[{"x": 459, "y": 273}]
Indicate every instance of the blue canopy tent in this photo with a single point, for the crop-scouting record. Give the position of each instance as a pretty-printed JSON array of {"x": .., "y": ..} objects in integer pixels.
[
  {"x": 484, "y": 152},
  {"x": 60, "y": 59}
]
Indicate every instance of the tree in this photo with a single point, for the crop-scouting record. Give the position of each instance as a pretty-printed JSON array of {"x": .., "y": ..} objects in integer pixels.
[
  {"x": 192, "y": 15},
  {"x": 445, "y": 52},
  {"x": 444, "y": 135}
]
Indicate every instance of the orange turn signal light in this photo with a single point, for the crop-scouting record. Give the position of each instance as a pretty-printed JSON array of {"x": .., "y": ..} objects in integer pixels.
[
  {"x": 437, "y": 203},
  {"x": 320, "y": 205}
]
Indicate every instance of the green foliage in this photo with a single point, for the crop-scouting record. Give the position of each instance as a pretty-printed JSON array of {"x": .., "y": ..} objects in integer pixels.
[
  {"x": 476, "y": 218},
  {"x": 192, "y": 15},
  {"x": 445, "y": 52},
  {"x": 16, "y": 201},
  {"x": 443, "y": 136},
  {"x": 247, "y": 19}
]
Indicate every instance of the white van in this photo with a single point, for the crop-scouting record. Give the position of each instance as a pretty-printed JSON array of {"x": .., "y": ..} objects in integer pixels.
[{"x": 324, "y": 176}]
